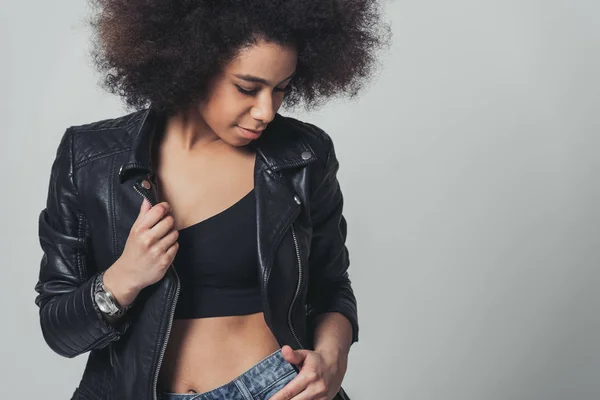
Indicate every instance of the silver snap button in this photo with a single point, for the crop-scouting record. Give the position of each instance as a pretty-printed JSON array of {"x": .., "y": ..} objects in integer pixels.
[
  {"x": 297, "y": 199},
  {"x": 306, "y": 155},
  {"x": 146, "y": 184}
]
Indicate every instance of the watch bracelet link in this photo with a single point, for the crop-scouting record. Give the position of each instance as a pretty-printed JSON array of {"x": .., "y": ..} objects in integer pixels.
[{"x": 99, "y": 286}]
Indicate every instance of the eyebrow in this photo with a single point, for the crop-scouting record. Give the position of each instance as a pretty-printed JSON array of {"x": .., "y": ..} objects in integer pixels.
[{"x": 251, "y": 78}]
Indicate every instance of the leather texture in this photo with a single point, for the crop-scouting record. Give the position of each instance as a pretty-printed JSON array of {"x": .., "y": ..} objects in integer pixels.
[{"x": 94, "y": 197}]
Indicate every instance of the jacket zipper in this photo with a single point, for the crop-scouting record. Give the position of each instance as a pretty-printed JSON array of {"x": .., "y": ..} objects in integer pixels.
[
  {"x": 297, "y": 287},
  {"x": 343, "y": 397},
  {"x": 166, "y": 339},
  {"x": 171, "y": 313}
]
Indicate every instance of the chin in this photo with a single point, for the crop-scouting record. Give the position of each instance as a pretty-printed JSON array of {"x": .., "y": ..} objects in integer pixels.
[{"x": 237, "y": 141}]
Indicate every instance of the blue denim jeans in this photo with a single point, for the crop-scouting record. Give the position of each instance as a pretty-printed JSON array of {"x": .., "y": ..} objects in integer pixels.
[{"x": 260, "y": 382}]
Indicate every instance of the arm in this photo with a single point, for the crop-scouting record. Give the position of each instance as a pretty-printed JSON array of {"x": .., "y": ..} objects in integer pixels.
[
  {"x": 70, "y": 320},
  {"x": 330, "y": 289},
  {"x": 333, "y": 336}
]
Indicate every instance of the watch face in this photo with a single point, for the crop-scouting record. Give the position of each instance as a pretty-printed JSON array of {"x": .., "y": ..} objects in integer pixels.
[{"x": 104, "y": 303}]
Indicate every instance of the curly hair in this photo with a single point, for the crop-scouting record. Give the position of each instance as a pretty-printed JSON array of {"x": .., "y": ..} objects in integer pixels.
[{"x": 164, "y": 52}]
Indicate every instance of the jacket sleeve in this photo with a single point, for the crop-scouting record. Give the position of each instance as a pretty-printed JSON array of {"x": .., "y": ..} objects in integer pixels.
[
  {"x": 330, "y": 289},
  {"x": 70, "y": 320}
]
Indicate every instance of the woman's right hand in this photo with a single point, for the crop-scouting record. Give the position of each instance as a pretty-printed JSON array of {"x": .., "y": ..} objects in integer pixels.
[{"x": 148, "y": 253}]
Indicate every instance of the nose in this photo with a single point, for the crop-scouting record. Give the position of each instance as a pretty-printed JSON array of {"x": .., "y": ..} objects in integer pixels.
[{"x": 264, "y": 109}]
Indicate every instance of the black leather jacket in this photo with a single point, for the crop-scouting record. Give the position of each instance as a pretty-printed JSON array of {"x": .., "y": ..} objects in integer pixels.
[{"x": 93, "y": 199}]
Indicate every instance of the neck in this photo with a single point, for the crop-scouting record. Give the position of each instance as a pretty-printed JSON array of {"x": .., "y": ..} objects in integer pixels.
[{"x": 187, "y": 131}]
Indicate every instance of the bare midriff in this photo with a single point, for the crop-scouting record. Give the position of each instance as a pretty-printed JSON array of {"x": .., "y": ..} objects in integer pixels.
[{"x": 205, "y": 353}]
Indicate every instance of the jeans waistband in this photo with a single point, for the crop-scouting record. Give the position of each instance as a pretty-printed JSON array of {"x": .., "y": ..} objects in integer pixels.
[{"x": 257, "y": 380}]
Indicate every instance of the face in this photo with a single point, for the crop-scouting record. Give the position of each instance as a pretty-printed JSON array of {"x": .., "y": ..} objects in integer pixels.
[{"x": 248, "y": 92}]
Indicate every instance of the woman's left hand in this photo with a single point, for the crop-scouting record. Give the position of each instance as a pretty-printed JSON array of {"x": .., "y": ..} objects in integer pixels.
[{"x": 320, "y": 377}]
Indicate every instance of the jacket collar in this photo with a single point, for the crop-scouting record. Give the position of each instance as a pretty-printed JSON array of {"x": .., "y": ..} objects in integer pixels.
[{"x": 279, "y": 147}]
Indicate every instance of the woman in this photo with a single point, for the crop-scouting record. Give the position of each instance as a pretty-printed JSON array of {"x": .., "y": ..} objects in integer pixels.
[{"x": 196, "y": 247}]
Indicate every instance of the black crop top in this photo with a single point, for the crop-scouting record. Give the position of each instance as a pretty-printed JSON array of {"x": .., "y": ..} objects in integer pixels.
[{"x": 217, "y": 264}]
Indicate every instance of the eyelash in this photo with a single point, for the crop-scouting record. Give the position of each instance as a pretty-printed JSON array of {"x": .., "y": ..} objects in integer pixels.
[{"x": 253, "y": 92}]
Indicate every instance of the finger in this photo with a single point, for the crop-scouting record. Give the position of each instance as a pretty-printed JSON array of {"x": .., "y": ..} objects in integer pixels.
[
  {"x": 172, "y": 251},
  {"x": 292, "y": 356},
  {"x": 292, "y": 389},
  {"x": 168, "y": 240},
  {"x": 313, "y": 391},
  {"x": 166, "y": 259},
  {"x": 145, "y": 207},
  {"x": 162, "y": 227},
  {"x": 155, "y": 214},
  {"x": 307, "y": 395}
]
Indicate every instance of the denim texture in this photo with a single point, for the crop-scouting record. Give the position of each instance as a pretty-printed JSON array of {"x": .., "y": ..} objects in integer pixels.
[{"x": 260, "y": 382}]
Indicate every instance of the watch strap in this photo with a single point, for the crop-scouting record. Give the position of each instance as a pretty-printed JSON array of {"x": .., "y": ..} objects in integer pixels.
[{"x": 99, "y": 287}]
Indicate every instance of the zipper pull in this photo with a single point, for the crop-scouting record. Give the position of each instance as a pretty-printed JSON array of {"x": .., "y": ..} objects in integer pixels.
[{"x": 145, "y": 188}]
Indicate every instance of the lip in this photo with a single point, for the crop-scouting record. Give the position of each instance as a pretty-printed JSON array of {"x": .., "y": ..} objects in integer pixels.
[
  {"x": 252, "y": 130},
  {"x": 249, "y": 133}
]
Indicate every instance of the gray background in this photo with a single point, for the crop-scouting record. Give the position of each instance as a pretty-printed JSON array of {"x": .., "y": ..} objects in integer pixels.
[{"x": 470, "y": 173}]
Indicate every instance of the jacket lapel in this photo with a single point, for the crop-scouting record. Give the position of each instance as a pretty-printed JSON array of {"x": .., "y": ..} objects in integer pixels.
[{"x": 280, "y": 147}]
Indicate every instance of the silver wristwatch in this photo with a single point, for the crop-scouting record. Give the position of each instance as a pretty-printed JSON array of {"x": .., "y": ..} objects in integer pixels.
[{"x": 106, "y": 301}]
